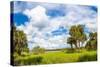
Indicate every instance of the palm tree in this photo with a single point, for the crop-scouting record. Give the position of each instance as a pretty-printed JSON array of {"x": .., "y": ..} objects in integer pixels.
[{"x": 77, "y": 33}]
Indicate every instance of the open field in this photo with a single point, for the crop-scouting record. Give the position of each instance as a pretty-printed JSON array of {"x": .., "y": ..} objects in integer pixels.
[{"x": 56, "y": 57}]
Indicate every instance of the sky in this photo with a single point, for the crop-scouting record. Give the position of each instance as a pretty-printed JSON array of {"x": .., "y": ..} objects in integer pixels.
[{"x": 47, "y": 24}]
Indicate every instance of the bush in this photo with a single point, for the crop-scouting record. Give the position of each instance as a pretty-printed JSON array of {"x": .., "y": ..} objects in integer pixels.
[
  {"x": 24, "y": 54},
  {"x": 15, "y": 54},
  {"x": 38, "y": 50},
  {"x": 88, "y": 58},
  {"x": 91, "y": 45},
  {"x": 28, "y": 60},
  {"x": 33, "y": 60},
  {"x": 70, "y": 50}
]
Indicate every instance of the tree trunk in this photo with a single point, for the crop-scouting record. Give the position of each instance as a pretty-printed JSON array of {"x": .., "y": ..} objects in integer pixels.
[
  {"x": 79, "y": 45},
  {"x": 76, "y": 46},
  {"x": 71, "y": 46}
]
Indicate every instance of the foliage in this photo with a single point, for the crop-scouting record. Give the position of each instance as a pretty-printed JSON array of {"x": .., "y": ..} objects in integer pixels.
[
  {"x": 24, "y": 54},
  {"x": 77, "y": 35},
  {"x": 28, "y": 60},
  {"x": 71, "y": 41},
  {"x": 62, "y": 57},
  {"x": 39, "y": 56},
  {"x": 88, "y": 57},
  {"x": 92, "y": 43},
  {"x": 38, "y": 50},
  {"x": 19, "y": 41},
  {"x": 56, "y": 57}
]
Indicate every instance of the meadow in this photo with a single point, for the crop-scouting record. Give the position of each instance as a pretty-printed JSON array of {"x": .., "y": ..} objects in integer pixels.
[
  {"x": 47, "y": 33},
  {"x": 56, "y": 57}
]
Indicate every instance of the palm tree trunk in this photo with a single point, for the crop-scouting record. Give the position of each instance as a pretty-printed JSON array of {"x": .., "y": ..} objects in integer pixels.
[{"x": 71, "y": 46}]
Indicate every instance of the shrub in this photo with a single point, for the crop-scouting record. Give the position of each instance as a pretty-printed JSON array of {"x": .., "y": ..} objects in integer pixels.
[
  {"x": 88, "y": 58},
  {"x": 24, "y": 54},
  {"x": 38, "y": 50},
  {"x": 28, "y": 60},
  {"x": 15, "y": 54},
  {"x": 33, "y": 60},
  {"x": 70, "y": 50}
]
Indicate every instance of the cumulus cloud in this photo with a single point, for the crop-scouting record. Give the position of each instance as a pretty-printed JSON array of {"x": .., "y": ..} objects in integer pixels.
[{"x": 39, "y": 28}]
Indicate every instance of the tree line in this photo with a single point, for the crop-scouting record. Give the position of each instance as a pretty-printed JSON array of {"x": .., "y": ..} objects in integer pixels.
[{"x": 78, "y": 37}]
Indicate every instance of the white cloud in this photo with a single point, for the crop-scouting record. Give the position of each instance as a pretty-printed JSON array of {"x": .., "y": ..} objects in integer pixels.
[
  {"x": 40, "y": 24},
  {"x": 37, "y": 16}
]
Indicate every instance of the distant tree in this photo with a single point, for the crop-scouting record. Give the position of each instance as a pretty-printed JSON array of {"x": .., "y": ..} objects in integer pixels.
[{"x": 38, "y": 49}]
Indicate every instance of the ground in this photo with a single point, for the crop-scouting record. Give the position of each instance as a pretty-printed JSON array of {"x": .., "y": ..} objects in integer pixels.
[{"x": 57, "y": 57}]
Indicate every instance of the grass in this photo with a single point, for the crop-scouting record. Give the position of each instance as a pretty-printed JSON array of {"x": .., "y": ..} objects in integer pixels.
[
  {"x": 61, "y": 57},
  {"x": 57, "y": 57}
]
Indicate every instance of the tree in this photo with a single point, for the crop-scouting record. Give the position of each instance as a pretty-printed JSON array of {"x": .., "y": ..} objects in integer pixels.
[
  {"x": 92, "y": 43},
  {"x": 38, "y": 49},
  {"x": 71, "y": 41},
  {"x": 77, "y": 34},
  {"x": 93, "y": 36},
  {"x": 19, "y": 40},
  {"x": 72, "y": 36}
]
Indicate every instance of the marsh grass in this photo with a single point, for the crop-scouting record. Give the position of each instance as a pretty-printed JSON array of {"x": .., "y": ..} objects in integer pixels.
[{"x": 57, "y": 57}]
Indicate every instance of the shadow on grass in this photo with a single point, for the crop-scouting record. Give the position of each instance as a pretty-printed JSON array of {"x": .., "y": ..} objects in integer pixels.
[
  {"x": 28, "y": 61},
  {"x": 73, "y": 51},
  {"x": 88, "y": 58}
]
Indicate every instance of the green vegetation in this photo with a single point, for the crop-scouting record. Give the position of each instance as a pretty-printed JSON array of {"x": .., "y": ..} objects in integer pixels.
[
  {"x": 88, "y": 57},
  {"x": 38, "y": 50},
  {"x": 77, "y": 36},
  {"x": 19, "y": 41},
  {"x": 28, "y": 60},
  {"x": 92, "y": 43},
  {"x": 21, "y": 55},
  {"x": 56, "y": 57},
  {"x": 19, "y": 44}
]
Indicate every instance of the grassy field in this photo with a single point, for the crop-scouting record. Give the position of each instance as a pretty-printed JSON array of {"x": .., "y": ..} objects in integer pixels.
[{"x": 56, "y": 57}]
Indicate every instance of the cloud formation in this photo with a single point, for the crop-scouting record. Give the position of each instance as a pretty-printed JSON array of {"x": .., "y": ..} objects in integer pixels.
[{"x": 49, "y": 23}]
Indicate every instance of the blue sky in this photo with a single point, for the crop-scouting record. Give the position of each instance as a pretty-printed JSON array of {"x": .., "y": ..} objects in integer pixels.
[
  {"x": 47, "y": 24},
  {"x": 59, "y": 31},
  {"x": 20, "y": 18}
]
